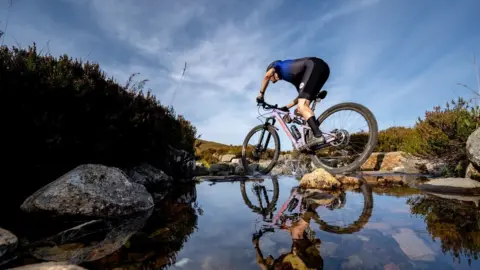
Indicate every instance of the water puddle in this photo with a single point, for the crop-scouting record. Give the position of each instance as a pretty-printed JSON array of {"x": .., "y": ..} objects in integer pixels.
[{"x": 269, "y": 223}]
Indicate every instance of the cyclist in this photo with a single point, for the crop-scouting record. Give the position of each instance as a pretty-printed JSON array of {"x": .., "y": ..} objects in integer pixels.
[
  {"x": 305, "y": 249},
  {"x": 308, "y": 75}
]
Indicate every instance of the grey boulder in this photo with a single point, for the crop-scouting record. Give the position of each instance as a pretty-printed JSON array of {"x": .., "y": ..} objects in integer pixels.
[
  {"x": 90, "y": 190},
  {"x": 8, "y": 241},
  {"x": 473, "y": 148}
]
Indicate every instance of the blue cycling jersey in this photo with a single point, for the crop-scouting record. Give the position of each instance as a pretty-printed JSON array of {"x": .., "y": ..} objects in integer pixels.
[
  {"x": 307, "y": 74},
  {"x": 293, "y": 70},
  {"x": 283, "y": 69}
]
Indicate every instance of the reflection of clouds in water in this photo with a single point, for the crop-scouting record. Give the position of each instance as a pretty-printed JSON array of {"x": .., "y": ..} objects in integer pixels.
[
  {"x": 224, "y": 237},
  {"x": 224, "y": 240}
]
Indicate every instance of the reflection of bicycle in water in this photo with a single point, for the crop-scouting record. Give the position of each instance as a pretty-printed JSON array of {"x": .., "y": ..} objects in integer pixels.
[
  {"x": 305, "y": 252},
  {"x": 266, "y": 208}
]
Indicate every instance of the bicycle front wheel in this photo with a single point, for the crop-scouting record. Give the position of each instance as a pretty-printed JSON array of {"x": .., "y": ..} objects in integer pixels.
[{"x": 255, "y": 154}]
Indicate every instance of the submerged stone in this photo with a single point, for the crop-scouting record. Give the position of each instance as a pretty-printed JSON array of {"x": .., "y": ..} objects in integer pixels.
[{"x": 452, "y": 185}]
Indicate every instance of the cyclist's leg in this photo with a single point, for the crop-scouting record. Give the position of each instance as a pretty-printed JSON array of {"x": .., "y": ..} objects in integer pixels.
[{"x": 316, "y": 74}]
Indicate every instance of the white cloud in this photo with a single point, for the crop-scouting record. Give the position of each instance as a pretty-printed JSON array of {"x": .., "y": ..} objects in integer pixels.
[{"x": 382, "y": 53}]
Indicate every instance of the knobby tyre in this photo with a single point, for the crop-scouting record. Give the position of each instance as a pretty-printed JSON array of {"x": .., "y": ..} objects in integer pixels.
[
  {"x": 270, "y": 133},
  {"x": 370, "y": 146},
  {"x": 360, "y": 223},
  {"x": 269, "y": 208}
]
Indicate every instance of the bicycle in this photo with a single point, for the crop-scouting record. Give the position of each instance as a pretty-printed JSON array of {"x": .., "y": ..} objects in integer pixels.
[{"x": 300, "y": 139}]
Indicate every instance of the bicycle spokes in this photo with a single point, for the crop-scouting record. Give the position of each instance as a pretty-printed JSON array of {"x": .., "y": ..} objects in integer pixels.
[
  {"x": 260, "y": 149},
  {"x": 348, "y": 132}
]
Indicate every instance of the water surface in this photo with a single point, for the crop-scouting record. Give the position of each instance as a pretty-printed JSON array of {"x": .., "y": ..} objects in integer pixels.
[{"x": 217, "y": 226}]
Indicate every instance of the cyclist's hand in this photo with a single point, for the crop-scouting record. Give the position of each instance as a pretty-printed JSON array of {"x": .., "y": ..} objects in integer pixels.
[
  {"x": 284, "y": 108},
  {"x": 260, "y": 99}
]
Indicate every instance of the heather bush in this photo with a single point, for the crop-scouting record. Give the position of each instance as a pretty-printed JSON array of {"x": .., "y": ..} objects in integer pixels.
[
  {"x": 393, "y": 139},
  {"x": 443, "y": 134},
  {"x": 58, "y": 113}
]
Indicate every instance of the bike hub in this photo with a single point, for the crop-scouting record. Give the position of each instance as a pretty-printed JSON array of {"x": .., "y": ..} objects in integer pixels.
[{"x": 342, "y": 137}]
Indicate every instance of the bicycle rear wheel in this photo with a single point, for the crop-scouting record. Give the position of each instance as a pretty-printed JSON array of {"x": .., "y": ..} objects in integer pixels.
[
  {"x": 328, "y": 157},
  {"x": 358, "y": 224},
  {"x": 258, "y": 151}
]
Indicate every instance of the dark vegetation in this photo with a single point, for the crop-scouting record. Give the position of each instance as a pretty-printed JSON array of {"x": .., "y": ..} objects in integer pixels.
[
  {"x": 58, "y": 113},
  {"x": 440, "y": 135},
  {"x": 455, "y": 224}
]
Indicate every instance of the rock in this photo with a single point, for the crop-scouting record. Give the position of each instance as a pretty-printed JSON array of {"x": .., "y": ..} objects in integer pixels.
[
  {"x": 472, "y": 172},
  {"x": 180, "y": 164},
  {"x": 201, "y": 170},
  {"x": 236, "y": 161},
  {"x": 413, "y": 246},
  {"x": 90, "y": 190},
  {"x": 402, "y": 162},
  {"x": 348, "y": 180},
  {"x": 75, "y": 245},
  {"x": 264, "y": 163},
  {"x": 227, "y": 158},
  {"x": 291, "y": 167},
  {"x": 433, "y": 168},
  {"x": 318, "y": 197},
  {"x": 221, "y": 169},
  {"x": 460, "y": 198},
  {"x": 49, "y": 266},
  {"x": 8, "y": 242},
  {"x": 253, "y": 167},
  {"x": 239, "y": 170},
  {"x": 149, "y": 176},
  {"x": 278, "y": 170},
  {"x": 452, "y": 185},
  {"x": 384, "y": 179},
  {"x": 473, "y": 148},
  {"x": 319, "y": 179}
]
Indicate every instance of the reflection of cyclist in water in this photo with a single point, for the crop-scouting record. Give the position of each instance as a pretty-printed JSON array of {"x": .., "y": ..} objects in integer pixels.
[{"x": 305, "y": 250}]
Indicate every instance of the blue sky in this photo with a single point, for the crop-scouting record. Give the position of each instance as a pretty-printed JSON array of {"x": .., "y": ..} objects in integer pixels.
[{"x": 397, "y": 57}]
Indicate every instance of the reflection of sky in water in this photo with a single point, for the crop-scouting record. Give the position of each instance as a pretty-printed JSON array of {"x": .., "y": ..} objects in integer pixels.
[{"x": 224, "y": 236}]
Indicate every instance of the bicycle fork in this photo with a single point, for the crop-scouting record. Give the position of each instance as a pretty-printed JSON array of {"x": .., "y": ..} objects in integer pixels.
[{"x": 258, "y": 148}]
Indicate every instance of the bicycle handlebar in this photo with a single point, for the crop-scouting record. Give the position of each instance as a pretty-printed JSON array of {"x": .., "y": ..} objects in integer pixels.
[{"x": 265, "y": 105}]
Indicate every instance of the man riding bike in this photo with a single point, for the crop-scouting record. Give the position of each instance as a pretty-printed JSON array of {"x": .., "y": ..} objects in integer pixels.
[{"x": 308, "y": 75}]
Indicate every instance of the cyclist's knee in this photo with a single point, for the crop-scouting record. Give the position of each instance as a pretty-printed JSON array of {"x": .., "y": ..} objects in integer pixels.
[{"x": 303, "y": 105}]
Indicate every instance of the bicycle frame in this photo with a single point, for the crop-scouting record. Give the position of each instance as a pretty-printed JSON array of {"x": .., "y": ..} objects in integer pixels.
[{"x": 277, "y": 115}]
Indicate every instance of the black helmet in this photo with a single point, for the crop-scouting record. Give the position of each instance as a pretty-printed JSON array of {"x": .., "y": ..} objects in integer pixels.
[{"x": 272, "y": 64}]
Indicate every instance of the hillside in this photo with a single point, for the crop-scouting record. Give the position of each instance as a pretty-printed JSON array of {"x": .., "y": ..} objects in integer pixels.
[{"x": 202, "y": 145}]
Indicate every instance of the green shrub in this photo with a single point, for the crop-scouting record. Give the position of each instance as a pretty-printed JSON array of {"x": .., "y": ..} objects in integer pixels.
[
  {"x": 443, "y": 133},
  {"x": 58, "y": 113},
  {"x": 393, "y": 139}
]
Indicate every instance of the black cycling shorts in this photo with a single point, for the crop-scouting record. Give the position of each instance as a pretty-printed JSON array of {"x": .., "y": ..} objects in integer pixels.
[{"x": 315, "y": 75}]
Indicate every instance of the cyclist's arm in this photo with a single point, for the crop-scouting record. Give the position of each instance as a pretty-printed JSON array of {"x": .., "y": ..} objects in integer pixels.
[
  {"x": 293, "y": 103},
  {"x": 265, "y": 81}
]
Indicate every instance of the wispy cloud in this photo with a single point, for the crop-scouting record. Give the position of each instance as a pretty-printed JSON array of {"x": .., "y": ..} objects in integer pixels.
[{"x": 397, "y": 57}]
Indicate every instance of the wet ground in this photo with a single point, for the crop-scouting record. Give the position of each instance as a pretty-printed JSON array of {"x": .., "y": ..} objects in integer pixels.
[{"x": 223, "y": 225}]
